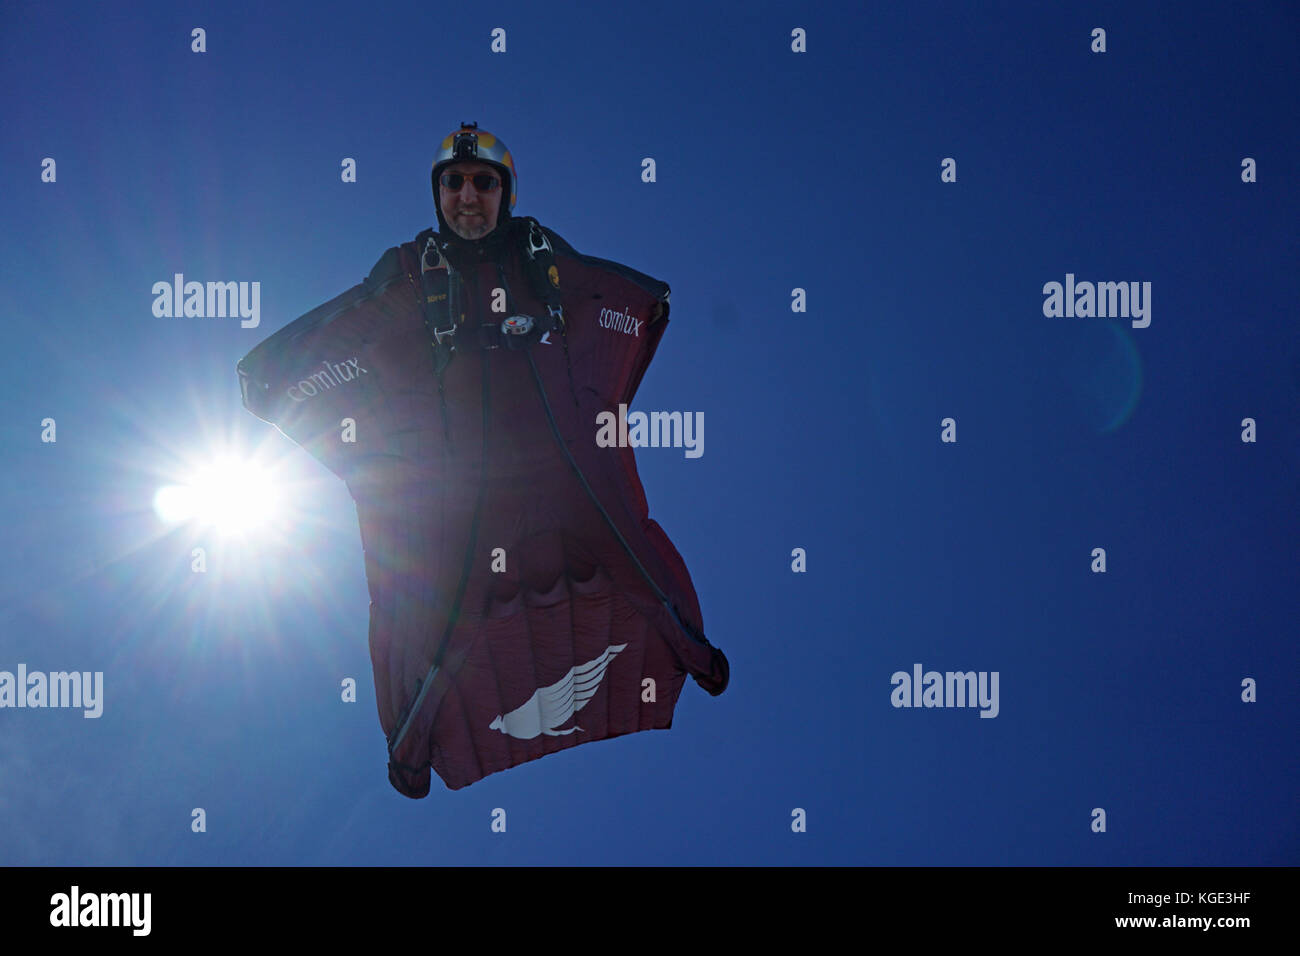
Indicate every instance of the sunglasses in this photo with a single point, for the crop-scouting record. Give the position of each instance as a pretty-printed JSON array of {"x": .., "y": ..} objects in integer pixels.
[{"x": 483, "y": 182}]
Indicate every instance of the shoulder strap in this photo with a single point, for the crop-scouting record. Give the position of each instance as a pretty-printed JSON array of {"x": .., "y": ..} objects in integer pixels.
[
  {"x": 437, "y": 294},
  {"x": 543, "y": 275},
  {"x": 439, "y": 289}
]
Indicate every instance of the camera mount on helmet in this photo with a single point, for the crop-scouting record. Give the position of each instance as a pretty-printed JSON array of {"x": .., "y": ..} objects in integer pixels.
[{"x": 465, "y": 145}]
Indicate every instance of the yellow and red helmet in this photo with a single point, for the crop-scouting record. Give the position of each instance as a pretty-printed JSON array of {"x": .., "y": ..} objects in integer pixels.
[{"x": 469, "y": 143}]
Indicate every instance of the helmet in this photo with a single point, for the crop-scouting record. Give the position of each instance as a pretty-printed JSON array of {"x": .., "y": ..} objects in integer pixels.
[{"x": 469, "y": 143}]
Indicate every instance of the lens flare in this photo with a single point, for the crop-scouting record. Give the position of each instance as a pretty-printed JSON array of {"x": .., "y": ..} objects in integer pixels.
[{"x": 231, "y": 496}]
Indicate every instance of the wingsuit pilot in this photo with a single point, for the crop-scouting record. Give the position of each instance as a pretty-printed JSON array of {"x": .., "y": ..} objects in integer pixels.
[{"x": 522, "y": 600}]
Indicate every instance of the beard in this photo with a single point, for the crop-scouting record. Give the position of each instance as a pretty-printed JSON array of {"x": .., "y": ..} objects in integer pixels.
[{"x": 472, "y": 227}]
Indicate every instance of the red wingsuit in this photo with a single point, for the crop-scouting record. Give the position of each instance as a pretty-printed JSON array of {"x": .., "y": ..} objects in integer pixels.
[{"x": 507, "y": 618}]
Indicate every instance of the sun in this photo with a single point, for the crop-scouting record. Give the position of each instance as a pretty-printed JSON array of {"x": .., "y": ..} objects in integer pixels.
[{"x": 234, "y": 497}]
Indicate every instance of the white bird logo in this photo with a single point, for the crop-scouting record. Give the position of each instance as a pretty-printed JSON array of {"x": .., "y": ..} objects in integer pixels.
[{"x": 549, "y": 707}]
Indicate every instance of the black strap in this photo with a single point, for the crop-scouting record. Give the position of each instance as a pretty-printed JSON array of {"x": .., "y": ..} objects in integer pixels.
[
  {"x": 544, "y": 278},
  {"x": 690, "y": 632},
  {"x": 543, "y": 275},
  {"x": 438, "y": 280},
  {"x": 435, "y": 293},
  {"x": 453, "y": 615}
]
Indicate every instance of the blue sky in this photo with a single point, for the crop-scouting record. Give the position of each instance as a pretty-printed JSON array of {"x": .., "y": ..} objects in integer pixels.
[{"x": 776, "y": 170}]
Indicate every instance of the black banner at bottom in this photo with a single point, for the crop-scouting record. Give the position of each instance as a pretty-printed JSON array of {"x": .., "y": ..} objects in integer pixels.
[{"x": 416, "y": 905}]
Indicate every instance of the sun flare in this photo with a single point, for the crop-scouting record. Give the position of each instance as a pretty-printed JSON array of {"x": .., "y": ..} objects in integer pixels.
[{"x": 233, "y": 497}]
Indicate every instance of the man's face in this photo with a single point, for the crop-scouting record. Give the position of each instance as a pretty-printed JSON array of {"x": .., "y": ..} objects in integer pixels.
[{"x": 470, "y": 213}]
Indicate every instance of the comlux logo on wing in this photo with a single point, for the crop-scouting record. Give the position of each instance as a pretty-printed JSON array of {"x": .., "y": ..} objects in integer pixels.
[{"x": 330, "y": 376}]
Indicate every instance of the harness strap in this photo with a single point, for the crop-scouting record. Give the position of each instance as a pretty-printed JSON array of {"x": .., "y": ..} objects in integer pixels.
[
  {"x": 690, "y": 632},
  {"x": 422, "y": 688},
  {"x": 442, "y": 287},
  {"x": 436, "y": 281},
  {"x": 544, "y": 278}
]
